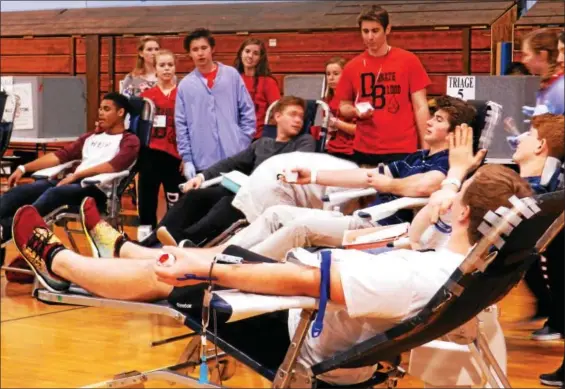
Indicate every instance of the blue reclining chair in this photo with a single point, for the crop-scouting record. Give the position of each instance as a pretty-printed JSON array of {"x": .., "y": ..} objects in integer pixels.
[
  {"x": 310, "y": 114},
  {"x": 141, "y": 122},
  {"x": 483, "y": 125},
  {"x": 232, "y": 182},
  {"x": 512, "y": 240},
  {"x": 7, "y": 117}
]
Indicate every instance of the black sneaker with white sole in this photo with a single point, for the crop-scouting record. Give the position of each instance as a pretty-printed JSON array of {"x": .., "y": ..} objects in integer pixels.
[
  {"x": 553, "y": 379},
  {"x": 546, "y": 333}
]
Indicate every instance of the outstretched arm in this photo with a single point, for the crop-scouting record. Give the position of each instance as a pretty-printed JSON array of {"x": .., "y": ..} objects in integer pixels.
[
  {"x": 417, "y": 185},
  {"x": 282, "y": 279}
]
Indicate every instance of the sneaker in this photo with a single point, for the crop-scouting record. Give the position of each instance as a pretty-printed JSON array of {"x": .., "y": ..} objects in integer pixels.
[
  {"x": 36, "y": 243},
  {"x": 546, "y": 333},
  {"x": 553, "y": 379},
  {"x": 187, "y": 243},
  {"x": 165, "y": 237},
  {"x": 16, "y": 276},
  {"x": 101, "y": 236}
]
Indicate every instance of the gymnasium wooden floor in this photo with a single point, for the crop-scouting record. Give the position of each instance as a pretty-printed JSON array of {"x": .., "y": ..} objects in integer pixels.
[{"x": 51, "y": 346}]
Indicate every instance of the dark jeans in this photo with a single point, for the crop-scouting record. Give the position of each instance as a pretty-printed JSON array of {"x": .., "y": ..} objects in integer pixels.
[
  {"x": 555, "y": 253},
  {"x": 45, "y": 196},
  {"x": 374, "y": 159},
  {"x": 538, "y": 286},
  {"x": 200, "y": 215},
  {"x": 156, "y": 168}
]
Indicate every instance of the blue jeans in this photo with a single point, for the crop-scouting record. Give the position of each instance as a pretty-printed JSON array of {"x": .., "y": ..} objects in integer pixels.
[{"x": 45, "y": 196}]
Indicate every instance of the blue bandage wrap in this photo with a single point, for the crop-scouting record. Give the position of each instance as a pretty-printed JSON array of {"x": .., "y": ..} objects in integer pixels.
[{"x": 325, "y": 266}]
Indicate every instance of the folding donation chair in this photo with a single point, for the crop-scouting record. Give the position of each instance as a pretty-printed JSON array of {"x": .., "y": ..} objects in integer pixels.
[
  {"x": 270, "y": 130},
  {"x": 488, "y": 116},
  {"x": 513, "y": 239},
  {"x": 141, "y": 122},
  {"x": 8, "y": 111}
]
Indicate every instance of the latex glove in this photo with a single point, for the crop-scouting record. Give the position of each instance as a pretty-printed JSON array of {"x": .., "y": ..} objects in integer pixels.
[
  {"x": 528, "y": 111},
  {"x": 188, "y": 170}
]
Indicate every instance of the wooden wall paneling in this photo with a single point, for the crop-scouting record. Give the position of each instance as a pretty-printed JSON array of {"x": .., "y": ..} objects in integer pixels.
[
  {"x": 35, "y": 64},
  {"x": 111, "y": 63},
  {"x": 466, "y": 51},
  {"x": 319, "y": 41},
  {"x": 72, "y": 48},
  {"x": 34, "y": 46},
  {"x": 235, "y": 17},
  {"x": 544, "y": 13},
  {"x": 92, "y": 57},
  {"x": 434, "y": 62},
  {"x": 501, "y": 30}
]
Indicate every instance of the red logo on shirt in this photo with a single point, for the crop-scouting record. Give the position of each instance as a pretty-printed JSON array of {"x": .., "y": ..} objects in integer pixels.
[{"x": 379, "y": 92}]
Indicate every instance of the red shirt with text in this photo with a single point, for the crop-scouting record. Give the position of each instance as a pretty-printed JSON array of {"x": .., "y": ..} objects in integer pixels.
[{"x": 387, "y": 83}]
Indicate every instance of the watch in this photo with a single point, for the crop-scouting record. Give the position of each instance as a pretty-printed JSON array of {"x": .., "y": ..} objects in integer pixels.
[{"x": 451, "y": 181}]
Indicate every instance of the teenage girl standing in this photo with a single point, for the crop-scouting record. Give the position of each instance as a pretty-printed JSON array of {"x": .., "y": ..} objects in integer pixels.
[
  {"x": 253, "y": 65},
  {"x": 341, "y": 132},
  {"x": 143, "y": 76},
  {"x": 160, "y": 163}
]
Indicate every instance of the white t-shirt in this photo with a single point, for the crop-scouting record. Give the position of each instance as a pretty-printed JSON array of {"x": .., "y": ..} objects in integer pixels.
[
  {"x": 264, "y": 190},
  {"x": 380, "y": 291},
  {"x": 99, "y": 148}
]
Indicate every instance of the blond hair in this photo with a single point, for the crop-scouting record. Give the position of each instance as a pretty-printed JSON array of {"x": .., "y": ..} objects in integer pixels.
[{"x": 140, "y": 62}]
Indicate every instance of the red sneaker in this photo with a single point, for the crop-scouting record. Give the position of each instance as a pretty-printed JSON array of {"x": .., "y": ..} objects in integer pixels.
[
  {"x": 35, "y": 242},
  {"x": 101, "y": 236},
  {"x": 17, "y": 277}
]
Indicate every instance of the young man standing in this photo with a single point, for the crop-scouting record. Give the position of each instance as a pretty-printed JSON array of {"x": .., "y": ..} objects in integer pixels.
[
  {"x": 109, "y": 149},
  {"x": 371, "y": 293},
  {"x": 392, "y": 83},
  {"x": 214, "y": 114}
]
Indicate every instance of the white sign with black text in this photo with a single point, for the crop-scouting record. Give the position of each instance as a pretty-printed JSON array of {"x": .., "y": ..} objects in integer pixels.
[{"x": 462, "y": 87}]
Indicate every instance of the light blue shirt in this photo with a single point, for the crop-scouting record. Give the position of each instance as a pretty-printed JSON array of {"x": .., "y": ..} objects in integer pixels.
[
  {"x": 213, "y": 124},
  {"x": 552, "y": 98}
]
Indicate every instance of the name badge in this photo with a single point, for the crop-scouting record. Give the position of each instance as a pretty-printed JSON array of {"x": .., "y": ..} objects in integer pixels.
[{"x": 160, "y": 121}]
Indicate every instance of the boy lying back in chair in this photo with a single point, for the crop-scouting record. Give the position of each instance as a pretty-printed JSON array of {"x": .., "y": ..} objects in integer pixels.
[
  {"x": 539, "y": 154},
  {"x": 283, "y": 227},
  {"x": 106, "y": 150},
  {"x": 205, "y": 213},
  {"x": 373, "y": 292}
]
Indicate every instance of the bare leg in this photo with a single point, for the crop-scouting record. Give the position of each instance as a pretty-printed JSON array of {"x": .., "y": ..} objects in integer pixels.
[
  {"x": 119, "y": 279},
  {"x": 133, "y": 251}
]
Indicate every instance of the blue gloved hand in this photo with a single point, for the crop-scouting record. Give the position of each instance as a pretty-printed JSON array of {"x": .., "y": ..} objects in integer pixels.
[
  {"x": 528, "y": 111},
  {"x": 513, "y": 142},
  {"x": 188, "y": 170}
]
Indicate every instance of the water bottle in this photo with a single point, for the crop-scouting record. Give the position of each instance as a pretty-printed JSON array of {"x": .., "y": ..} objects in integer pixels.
[{"x": 437, "y": 235}]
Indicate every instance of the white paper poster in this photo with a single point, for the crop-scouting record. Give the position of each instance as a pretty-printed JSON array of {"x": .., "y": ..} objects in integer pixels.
[
  {"x": 23, "y": 94},
  {"x": 462, "y": 87},
  {"x": 6, "y": 81}
]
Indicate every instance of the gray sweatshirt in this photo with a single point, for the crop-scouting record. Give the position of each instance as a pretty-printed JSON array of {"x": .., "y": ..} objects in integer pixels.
[{"x": 247, "y": 160}]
